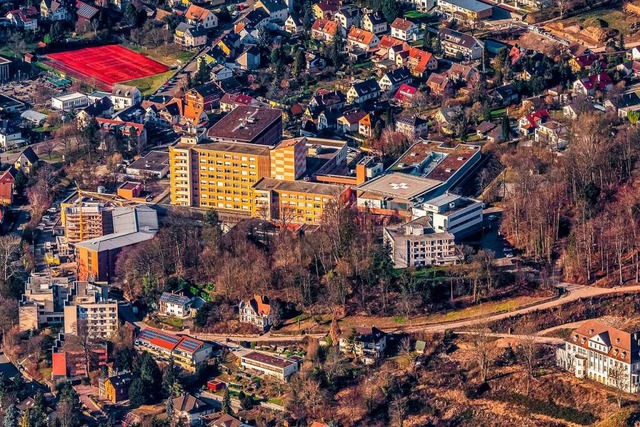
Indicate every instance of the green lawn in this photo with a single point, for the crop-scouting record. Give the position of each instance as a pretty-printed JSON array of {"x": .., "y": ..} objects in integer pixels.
[
  {"x": 167, "y": 54},
  {"x": 148, "y": 85},
  {"x": 412, "y": 14},
  {"x": 173, "y": 321}
]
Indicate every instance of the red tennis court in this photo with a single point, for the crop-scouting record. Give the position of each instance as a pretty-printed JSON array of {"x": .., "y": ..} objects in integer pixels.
[{"x": 109, "y": 64}]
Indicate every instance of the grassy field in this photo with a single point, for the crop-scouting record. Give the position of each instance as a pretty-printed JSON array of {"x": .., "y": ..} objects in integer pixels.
[
  {"x": 148, "y": 85},
  {"x": 613, "y": 17},
  {"x": 168, "y": 55}
]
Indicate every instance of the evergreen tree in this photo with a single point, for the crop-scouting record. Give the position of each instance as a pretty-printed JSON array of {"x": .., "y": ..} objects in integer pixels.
[
  {"x": 506, "y": 127},
  {"x": 11, "y": 416},
  {"x": 169, "y": 379},
  {"x": 427, "y": 40},
  {"x": 299, "y": 63},
  {"x": 169, "y": 406},
  {"x": 437, "y": 46},
  {"x": 138, "y": 392},
  {"x": 226, "y": 403}
]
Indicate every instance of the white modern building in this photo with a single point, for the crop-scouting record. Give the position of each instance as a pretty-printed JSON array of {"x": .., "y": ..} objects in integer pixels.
[
  {"x": 70, "y": 101},
  {"x": 453, "y": 214},
  {"x": 368, "y": 343},
  {"x": 417, "y": 244},
  {"x": 125, "y": 96},
  {"x": 89, "y": 310},
  {"x": 274, "y": 366},
  {"x": 175, "y": 305},
  {"x": 602, "y": 353}
]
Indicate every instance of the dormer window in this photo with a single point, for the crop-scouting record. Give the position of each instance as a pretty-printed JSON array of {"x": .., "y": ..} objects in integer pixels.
[
  {"x": 615, "y": 352},
  {"x": 575, "y": 337},
  {"x": 590, "y": 331},
  {"x": 617, "y": 340},
  {"x": 624, "y": 354},
  {"x": 583, "y": 340}
]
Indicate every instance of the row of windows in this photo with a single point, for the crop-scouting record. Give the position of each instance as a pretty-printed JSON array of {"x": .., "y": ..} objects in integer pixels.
[
  {"x": 227, "y": 156},
  {"x": 235, "y": 165}
]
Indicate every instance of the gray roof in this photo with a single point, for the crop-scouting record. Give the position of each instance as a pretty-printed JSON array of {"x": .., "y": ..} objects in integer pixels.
[
  {"x": 33, "y": 116},
  {"x": 174, "y": 299},
  {"x": 130, "y": 225},
  {"x": 472, "y": 5}
]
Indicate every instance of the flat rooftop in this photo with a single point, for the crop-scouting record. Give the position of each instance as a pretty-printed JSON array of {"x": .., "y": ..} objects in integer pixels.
[
  {"x": 299, "y": 187},
  {"x": 279, "y": 362},
  {"x": 233, "y": 147},
  {"x": 154, "y": 161},
  {"x": 70, "y": 96},
  {"x": 434, "y": 160},
  {"x": 244, "y": 123},
  {"x": 399, "y": 185},
  {"x": 472, "y": 5}
]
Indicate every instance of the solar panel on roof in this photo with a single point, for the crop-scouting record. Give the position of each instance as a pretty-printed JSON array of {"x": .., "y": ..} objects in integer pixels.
[{"x": 189, "y": 344}]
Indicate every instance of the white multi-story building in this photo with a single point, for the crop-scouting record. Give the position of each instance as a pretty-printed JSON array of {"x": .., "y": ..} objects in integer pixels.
[
  {"x": 602, "y": 353},
  {"x": 417, "y": 244},
  {"x": 125, "y": 96},
  {"x": 70, "y": 101},
  {"x": 175, "y": 305},
  {"x": 273, "y": 366},
  {"x": 89, "y": 310},
  {"x": 453, "y": 214},
  {"x": 368, "y": 343}
]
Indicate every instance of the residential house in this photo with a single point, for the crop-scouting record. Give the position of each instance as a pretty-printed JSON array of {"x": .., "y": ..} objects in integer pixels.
[
  {"x": 506, "y": 95},
  {"x": 226, "y": 420},
  {"x": 257, "y": 311},
  {"x": 462, "y": 73},
  {"x": 412, "y": 126},
  {"x": 440, "y": 85},
  {"x": 367, "y": 343},
  {"x": 589, "y": 85},
  {"x": 552, "y": 133},
  {"x": 314, "y": 63},
  {"x": 293, "y": 25},
  {"x": 27, "y": 161},
  {"x": 10, "y": 135},
  {"x": 328, "y": 118},
  {"x": 392, "y": 80},
  {"x": 7, "y": 183},
  {"x": 447, "y": 118},
  {"x": 100, "y": 108},
  {"x": 528, "y": 123},
  {"x": 230, "y": 101},
  {"x": 403, "y": 29},
  {"x": 582, "y": 63},
  {"x": 576, "y": 107},
  {"x": 604, "y": 354},
  {"x": 277, "y": 10},
  {"x": 325, "y": 9},
  {"x": 323, "y": 99},
  {"x": 174, "y": 305},
  {"x": 229, "y": 43},
  {"x": 459, "y": 45},
  {"x": 125, "y": 96},
  {"x": 418, "y": 61},
  {"x": 405, "y": 95},
  {"x": 348, "y": 16},
  {"x": 220, "y": 72},
  {"x": 350, "y": 122},
  {"x": 25, "y": 18},
  {"x": 190, "y": 410},
  {"x": 199, "y": 16},
  {"x": 362, "y": 91},
  {"x": 188, "y": 35},
  {"x": 115, "y": 389},
  {"x": 484, "y": 128},
  {"x": 324, "y": 30},
  {"x": 54, "y": 10},
  {"x": 249, "y": 59},
  {"x": 359, "y": 39},
  {"x": 418, "y": 244},
  {"x": 127, "y": 129},
  {"x": 87, "y": 15},
  {"x": 375, "y": 23},
  {"x": 629, "y": 68},
  {"x": 367, "y": 125},
  {"x": 627, "y": 103}
]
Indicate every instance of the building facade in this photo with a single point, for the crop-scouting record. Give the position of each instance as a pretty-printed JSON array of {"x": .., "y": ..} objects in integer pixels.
[
  {"x": 604, "y": 354},
  {"x": 273, "y": 366}
]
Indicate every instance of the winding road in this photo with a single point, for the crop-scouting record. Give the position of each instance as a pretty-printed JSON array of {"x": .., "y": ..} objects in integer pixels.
[{"x": 574, "y": 293}]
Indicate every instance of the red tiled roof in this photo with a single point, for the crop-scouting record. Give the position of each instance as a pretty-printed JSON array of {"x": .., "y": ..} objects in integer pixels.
[
  {"x": 405, "y": 91},
  {"x": 59, "y": 364},
  {"x": 401, "y": 24}
]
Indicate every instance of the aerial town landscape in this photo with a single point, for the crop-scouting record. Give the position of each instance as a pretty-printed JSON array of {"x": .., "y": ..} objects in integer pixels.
[{"x": 303, "y": 213}]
